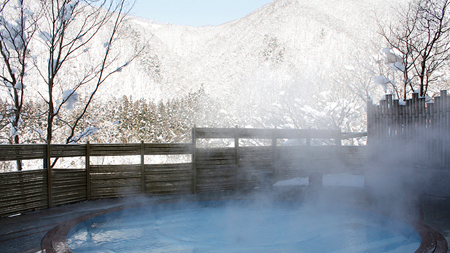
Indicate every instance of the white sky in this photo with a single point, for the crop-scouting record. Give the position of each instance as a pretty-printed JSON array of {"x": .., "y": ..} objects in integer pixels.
[{"x": 196, "y": 12}]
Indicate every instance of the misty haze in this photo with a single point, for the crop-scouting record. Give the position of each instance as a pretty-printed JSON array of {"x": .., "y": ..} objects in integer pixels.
[{"x": 304, "y": 126}]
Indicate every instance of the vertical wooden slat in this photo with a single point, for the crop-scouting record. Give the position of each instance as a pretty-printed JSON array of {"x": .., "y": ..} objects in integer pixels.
[
  {"x": 49, "y": 175},
  {"x": 419, "y": 123},
  {"x": 143, "y": 167},
  {"x": 438, "y": 123},
  {"x": 443, "y": 127},
  {"x": 194, "y": 160},
  {"x": 274, "y": 155},
  {"x": 447, "y": 129},
  {"x": 338, "y": 140},
  {"x": 370, "y": 122},
  {"x": 403, "y": 107},
  {"x": 415, "y": 118},
  {"x": 88, "y": 171},
  {"x": 397, "y": 118},
  {"x": 236, "y": 153},
  {"x": 407, "y": 120},
  {"x": 389, "y": 118}
]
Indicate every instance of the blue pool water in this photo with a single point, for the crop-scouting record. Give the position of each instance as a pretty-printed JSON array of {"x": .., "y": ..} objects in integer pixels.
[{"x": 242, "y": 226}]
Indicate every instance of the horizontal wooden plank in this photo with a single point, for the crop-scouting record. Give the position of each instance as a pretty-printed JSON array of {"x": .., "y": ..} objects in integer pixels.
[
  {"x": 168, "y": 177},
  {"x": 56, "y": 171},
  {"x": 25, "y": 200},
  {"x": 215, "y": 132},
  {"x": 151, "y": 185},
  {"x": 215, "y": 188},
  {"x": 115, "y": 183},
  {"x": 21, "y": 208},
  {"x": 6, "y": 211},
  {"x": 168, "y": 149},
  {"x": 216, "y": 179},
  {"x": 265, "y": 133},
  {"x": 16, "y": 184},
  {"x": 168, "y": 192},
  {"x": 65, "y": 201},
  {"x": 155, "y": 168},
  {"x": 22, "y": 191},
  {"x": 21, "y": 182},
  {"x": 69, "y": 174},
  {"x": 215, "y": 168},
  {"x": 69, "y": 195},
  {"x": 168, "y": 172},
  {"x": 5, "y": 176},
  {"x": 67, "y": 150},
  {"x": 74, "y": 192},
  {"x": 68, "y": 188},
  {"x": 105, "y": 177},
  {"x": 21, "y": 200},
  {"x": 211, "y": 152},
  {"x": 114, "y": 149},
  {"x": 115, "y": 192},
  {"x": 213, "y": 163},
  {"x": 69, "y": 181},
  {"x": 114, "y": 168},
  {"x": 22, "y": 152}
]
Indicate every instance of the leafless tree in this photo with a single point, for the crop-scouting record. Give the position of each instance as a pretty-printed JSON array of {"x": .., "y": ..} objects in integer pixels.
[
  {"x": 49, "y": 41},
  {"x": 421, "y": 39},
  {"x": 17, "y": 28}
]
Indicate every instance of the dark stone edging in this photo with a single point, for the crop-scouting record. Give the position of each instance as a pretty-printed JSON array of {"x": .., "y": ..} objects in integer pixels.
[
  {"x": 432, "y": 240},
  {"x": 55, "y": 239}
]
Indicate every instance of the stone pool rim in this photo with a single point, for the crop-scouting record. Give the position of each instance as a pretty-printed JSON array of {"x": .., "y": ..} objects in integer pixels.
[{"x": 55, "y": 239}]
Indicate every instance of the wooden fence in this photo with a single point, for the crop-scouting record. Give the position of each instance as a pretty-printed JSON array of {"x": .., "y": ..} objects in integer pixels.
[
  {"x": 418, "y": 128},
  {"x": 210, "y": 169}
]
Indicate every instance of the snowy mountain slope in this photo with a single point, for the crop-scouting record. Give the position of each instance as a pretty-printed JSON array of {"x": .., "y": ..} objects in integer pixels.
[
  {"x": 313, "y": 38},
  {"x": 285, "y": 45}
]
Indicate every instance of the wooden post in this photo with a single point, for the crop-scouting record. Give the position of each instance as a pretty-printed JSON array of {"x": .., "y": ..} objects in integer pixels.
[
  {"x": 194, "y": 157},
  {"x": 49, "y": 176},
  {"x": 308, "y": 138},
  {"x": 274, "y": 154},
  {"x": 443, "y": 128},
  {"x": 143, "y": 168},
  {"x": 438, "y": 118},
  {"x": 369, "y": 121},
  {"x": 338, "y": 139},
  {"x": 446, "y": 128},
  {"x": 88, "y": 171},
  {"x": 236, "y": 153}
]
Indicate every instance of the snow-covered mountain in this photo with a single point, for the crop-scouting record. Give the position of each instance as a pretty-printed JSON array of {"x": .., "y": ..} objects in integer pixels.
[{"x": 285, "y": 41}]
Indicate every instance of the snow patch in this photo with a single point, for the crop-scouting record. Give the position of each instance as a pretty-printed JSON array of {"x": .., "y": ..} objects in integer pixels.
[
  {"x": 343, "y": 179},
  {"x": 70, "y": 97}
]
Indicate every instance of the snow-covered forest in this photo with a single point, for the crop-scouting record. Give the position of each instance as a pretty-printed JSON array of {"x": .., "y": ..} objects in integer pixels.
[{"x": 112, "y": 77}]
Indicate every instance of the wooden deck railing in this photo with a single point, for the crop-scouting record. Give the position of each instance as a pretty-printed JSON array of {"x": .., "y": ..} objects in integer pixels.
[{"x": 210, "y": 169}]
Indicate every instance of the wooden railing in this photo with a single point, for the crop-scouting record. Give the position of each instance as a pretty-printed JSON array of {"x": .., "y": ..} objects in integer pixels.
[{"x": 237, "y": 167}]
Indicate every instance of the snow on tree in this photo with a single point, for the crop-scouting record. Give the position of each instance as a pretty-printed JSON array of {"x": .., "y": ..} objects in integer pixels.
[
  {"x": 70, "y": 97},
  {"x": 17, "y": 28},
  {"x": 65, "y": 30},
  {"x": 420, "y": 43}
]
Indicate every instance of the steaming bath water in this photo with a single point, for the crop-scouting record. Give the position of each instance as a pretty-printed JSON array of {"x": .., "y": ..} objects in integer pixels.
[{"x": 242, "y": 226}]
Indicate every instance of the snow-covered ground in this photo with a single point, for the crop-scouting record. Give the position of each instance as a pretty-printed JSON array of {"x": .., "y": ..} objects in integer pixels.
[{"x": 343, "y": 179}]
